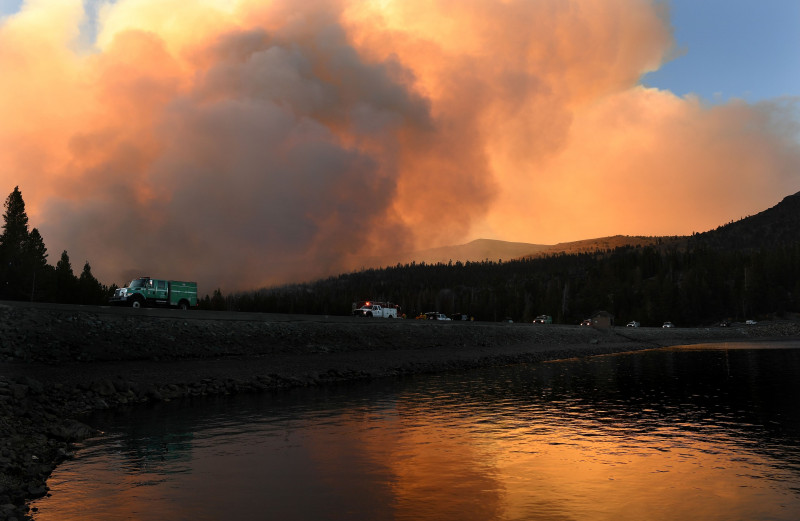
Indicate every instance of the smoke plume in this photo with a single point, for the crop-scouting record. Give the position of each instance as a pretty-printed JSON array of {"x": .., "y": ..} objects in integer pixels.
[{"x": 250, "y": 143}]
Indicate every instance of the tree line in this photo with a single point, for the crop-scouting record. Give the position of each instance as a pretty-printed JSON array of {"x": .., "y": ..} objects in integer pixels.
[
  {"x": 698, "y": 280},
  {"x": 748, "y": 269},
  {"x": 689, "y": 286},
  {"x": 25, "y": 273}
]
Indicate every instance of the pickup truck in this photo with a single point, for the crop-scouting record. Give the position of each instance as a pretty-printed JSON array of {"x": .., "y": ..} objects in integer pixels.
[{"x": 376, "y": 309}]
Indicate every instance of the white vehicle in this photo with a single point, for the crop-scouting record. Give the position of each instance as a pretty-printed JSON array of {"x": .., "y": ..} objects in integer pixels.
[
  {"x": 633, "y": 323},
  {"x": 751, "y": 322},
  {"x": 376, "y": 309},
  {"x": 668, "y": 325},
  {"x": 433, "y": 315}
]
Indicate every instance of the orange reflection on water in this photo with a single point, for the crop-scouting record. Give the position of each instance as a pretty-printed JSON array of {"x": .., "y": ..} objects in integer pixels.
[
  {"x": 419, "y": 458},
  {"x": 561, "y": 470}
]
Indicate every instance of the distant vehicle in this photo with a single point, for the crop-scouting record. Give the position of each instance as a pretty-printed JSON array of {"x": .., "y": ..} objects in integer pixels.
[
  {"x": 724, "y": 323},
  {"x": 633, "y": 323},
  {"x": 376, "y": 309},
  {"x": 751, "y": 322},
  {"x": 587, "y": 322},
  {"x": 509, "y": 320},
  {"x": 543, "y": 319},
  {"x": 145, "y": 291},
  {"x": 668, "y": 324},
  {"x": 460, "y": 316},
  {"x": 434, "y": 315}
]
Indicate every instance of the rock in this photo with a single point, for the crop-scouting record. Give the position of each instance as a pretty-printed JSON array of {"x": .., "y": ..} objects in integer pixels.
[
  {"x": 34, "y": 386},
  {"x": 99, "y": 404},
  {"x": 18, "y": 391},
  {"x": 153, "y": 393},
  {"x": 37, "y": 491},
  {"x": 103, "y": 387},
  {"x": 7, "y": 510},
  {"x": 70, "y": 430}
]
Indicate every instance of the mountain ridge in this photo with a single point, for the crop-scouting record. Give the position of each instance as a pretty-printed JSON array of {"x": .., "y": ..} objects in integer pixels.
[{"x": 776, "y": 225}]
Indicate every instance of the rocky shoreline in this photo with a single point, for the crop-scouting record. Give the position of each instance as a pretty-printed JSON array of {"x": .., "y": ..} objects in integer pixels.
[{"x": 58, "y": 363}]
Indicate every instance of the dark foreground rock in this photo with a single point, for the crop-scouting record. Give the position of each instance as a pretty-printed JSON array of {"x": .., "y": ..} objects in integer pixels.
[{"x": 59, "y": 362}]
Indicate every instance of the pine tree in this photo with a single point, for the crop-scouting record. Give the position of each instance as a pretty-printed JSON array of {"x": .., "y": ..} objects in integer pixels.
[
  {"x": 13, "y": 279},
  {"x": 36, "y": 268},
  {"x": 35, "y": 250},
  {"x": 218, "y": 301},
  {"x": 66, "y": 282},
  {"x": 90, "y": 291},
  {"x": 15, "y": 225}
]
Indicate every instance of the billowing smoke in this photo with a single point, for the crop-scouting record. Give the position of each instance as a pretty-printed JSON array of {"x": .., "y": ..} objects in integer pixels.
[{"x": 254, "y": 142}]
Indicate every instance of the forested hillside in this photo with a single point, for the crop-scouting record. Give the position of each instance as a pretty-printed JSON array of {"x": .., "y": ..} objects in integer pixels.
[
  {"x": 775, "y": 227},
  {"x": 688, "y": 287},
  {"x": 747, "y": 269}
]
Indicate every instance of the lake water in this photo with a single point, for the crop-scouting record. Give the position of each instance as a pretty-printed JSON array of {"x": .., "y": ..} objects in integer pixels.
[{"x": 695, "y": 433}]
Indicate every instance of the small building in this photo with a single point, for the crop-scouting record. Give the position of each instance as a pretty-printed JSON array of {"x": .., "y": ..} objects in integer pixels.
[{"x": 602, "y": 319}]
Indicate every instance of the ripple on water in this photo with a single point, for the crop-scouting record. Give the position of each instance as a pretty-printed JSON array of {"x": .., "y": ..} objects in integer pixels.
[{"x": 699, "y": 433}]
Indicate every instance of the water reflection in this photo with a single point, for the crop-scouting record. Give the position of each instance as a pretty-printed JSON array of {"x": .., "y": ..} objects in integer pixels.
[{"x": 709, "y": 433}]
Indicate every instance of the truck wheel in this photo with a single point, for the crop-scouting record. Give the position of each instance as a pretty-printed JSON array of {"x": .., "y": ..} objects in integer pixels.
[
  {"x": 136, "y": 304},
  {"x": 368, "y": 314},
  {"x": 183, "y": 305}
]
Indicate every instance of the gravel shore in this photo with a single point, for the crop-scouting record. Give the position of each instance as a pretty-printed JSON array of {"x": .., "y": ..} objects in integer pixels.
[{"x": 59, "y": 362}]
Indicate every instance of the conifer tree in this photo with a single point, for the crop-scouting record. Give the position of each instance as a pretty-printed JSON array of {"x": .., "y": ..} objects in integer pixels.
[
  {"x": 36, "y": 270},
  {"x": 218, "y": 301},
  {"x": 66, "y": 282},
  {"x": 15, "y": 220},
  {"x": 13, "y": 280},
  {"x": 35, "y": 250},
  {"x": 90, "y": 291}
]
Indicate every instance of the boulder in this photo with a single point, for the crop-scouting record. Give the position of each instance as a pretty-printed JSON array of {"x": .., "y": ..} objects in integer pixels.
[
  {"x": 103, "y": 387},
  {"x": 70, "y": 431}
]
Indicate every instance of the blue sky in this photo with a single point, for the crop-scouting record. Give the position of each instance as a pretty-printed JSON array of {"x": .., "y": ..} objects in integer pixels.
[
  {"x": 9, "y": 6},
  {"x": 747, "y": 49}
]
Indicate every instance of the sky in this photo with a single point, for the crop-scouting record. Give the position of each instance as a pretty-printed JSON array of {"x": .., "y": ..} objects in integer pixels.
[
  {"x": 728, "y": 49},
  {"x": 246, "y": 143}
]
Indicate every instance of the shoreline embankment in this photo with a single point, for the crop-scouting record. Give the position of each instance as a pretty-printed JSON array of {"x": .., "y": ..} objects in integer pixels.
[{"x": 59, "y": 362}]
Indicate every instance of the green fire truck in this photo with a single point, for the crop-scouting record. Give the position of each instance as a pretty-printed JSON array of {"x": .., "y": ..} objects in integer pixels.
[{"x": 145, "y": 291}]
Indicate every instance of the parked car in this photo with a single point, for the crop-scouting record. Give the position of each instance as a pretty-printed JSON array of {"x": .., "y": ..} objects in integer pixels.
[
  {"x": 668, "y": 324},
  {"x": 543, "y": 319},
  {"x": 587, "y": 322},
  {"x": 433, "y": 315},
  {"x": 751, "y": 322},
  {"x": 632, "y": 323},
  {"x": 460, "y": 316}
]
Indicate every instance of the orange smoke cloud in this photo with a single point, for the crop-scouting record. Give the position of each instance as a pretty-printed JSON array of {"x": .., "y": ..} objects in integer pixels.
[{"x": 251, "y": 143}]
